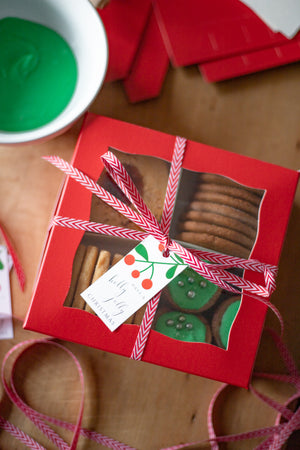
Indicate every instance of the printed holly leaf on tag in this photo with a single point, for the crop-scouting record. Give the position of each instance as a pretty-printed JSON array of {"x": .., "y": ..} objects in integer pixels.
[
  {"x": 178, "y": 258},
  {"x": 141, "y": 250},
  {"x": 1, "y": 265},
  {"x": 170, "y": 272}
]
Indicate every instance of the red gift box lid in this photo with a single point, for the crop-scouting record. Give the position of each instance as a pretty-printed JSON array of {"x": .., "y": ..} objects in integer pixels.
[{"x": 48, "y": 315}]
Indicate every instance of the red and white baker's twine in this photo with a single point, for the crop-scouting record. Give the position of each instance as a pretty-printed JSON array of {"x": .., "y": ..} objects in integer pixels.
[
  {"x": 145, "y": 327},
  {"x": 287, "y": 421}
]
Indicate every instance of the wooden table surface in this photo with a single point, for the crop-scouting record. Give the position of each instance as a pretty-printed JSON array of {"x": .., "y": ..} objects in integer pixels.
[{"x": 146, "y": 406}]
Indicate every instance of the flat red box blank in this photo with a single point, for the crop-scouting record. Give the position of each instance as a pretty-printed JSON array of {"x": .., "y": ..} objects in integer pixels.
[
  {"x": 124, "y": 22},
  {"x": 197, "y": 31},
  {"x": 251, "y": 62},
  {"x": 150, "y": 65}
]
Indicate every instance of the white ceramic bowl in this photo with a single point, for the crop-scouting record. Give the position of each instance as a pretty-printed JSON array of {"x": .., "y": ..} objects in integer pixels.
[{"x": 78, "y": 22}]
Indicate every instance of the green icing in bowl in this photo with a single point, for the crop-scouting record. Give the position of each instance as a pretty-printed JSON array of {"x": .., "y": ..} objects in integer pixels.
[{"x": 38, "y": 74}]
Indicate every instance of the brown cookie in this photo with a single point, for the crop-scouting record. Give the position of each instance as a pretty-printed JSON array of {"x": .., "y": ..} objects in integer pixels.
[
  {"x": 224, "y": 199},
  {"x": 101, "y": 266},
  {"x": 225, "y": 181},
  {"x": 236, "y": 192},
  {"x": 85, "y": 276},
  {"x": 116, "y": 258},
  {"x": 216, "y": 243},
  {"x": 219, "y": 219},
  {"x": 77, "y": 264},
  {"x": 139, "y": 314},
  {"x": 225, "y": 210},
  {"x": 217, "y": 230}
]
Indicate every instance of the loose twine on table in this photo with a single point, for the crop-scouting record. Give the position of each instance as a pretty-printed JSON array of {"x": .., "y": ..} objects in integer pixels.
[{"x": 277, "y": 435}]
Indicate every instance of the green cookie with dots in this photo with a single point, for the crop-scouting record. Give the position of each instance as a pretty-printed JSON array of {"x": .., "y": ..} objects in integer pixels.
[
  {"x": 183, "y": 327},
  {"x": 191, "y": 292}
]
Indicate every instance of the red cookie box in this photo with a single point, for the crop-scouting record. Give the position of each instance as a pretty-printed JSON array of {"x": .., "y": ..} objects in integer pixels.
[{"x": 47, "y": 313}]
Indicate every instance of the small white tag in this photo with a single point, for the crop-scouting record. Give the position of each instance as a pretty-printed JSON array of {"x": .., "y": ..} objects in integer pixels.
[
  {"x": 6, "y": 325},
  {"x": 133, "y": 281}
]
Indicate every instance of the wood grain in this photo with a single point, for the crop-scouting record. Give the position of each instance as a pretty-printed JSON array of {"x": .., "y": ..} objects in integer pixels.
[{"x": 143, "y": 405}]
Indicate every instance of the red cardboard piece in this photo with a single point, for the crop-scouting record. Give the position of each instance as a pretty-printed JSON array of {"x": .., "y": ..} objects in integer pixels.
[
  {"x": 124, "y": 22},
  {"x": 197, "y": 31},
  {"x": 150, "y": 65},
  {"x": 247, "y": 63},
  {"x": 47, "y": 313}
]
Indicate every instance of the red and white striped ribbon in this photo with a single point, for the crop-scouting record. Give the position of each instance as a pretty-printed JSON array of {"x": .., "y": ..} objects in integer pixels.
[
  {"x": 278, "y": 434},
  {"x": 96, "y": 227},
  {"x": 41, "y": 420},
  {"x": 175, "y": 169}
]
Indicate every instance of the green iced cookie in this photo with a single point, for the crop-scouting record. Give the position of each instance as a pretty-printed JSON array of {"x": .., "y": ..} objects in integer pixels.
[
  {"x": 183, "y": 327},
  {"x": 192, "y": 292}
]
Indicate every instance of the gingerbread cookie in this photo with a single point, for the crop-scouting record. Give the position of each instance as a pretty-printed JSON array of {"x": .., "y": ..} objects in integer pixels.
[
  {"x": 85, "y": 275},
  {"x": 207, "y": 218},
  {"x": 102, "y": 265},
  {"x": 183, "y": 327},
  {"x": 224, "y": 199},
  {"x": 233, "y": 191},
  {"x": 225, "y": 181},
  {"x": 216, "y": 230},
  {"x": 77, "y": 264},
  {"x": 191, "y": 292},
  {"x": 223, "y": 320},
  {"x": 225, "y": 210},
  {"x": 216, "y": 243}
]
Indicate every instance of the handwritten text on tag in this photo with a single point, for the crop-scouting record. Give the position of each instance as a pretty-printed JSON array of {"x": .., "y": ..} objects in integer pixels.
[{"x": 133, "y": 281}]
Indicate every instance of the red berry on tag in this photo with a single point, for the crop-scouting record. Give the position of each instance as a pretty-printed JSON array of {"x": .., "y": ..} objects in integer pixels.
[
  {"x": 161, "y": 247},
  {"x": 147, "y": 284},
  {"x": 129, "y": 260},
  {"x": 135, "y": 273}
]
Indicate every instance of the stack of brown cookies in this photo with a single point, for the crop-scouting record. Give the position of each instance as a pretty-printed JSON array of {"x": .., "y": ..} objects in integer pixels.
[{"x": 222, "y": 216}]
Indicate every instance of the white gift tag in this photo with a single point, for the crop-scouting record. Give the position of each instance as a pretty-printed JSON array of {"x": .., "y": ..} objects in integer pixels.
[
  {"x": 133, "y": 281},
  {"x": 6, "y": 325}
]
